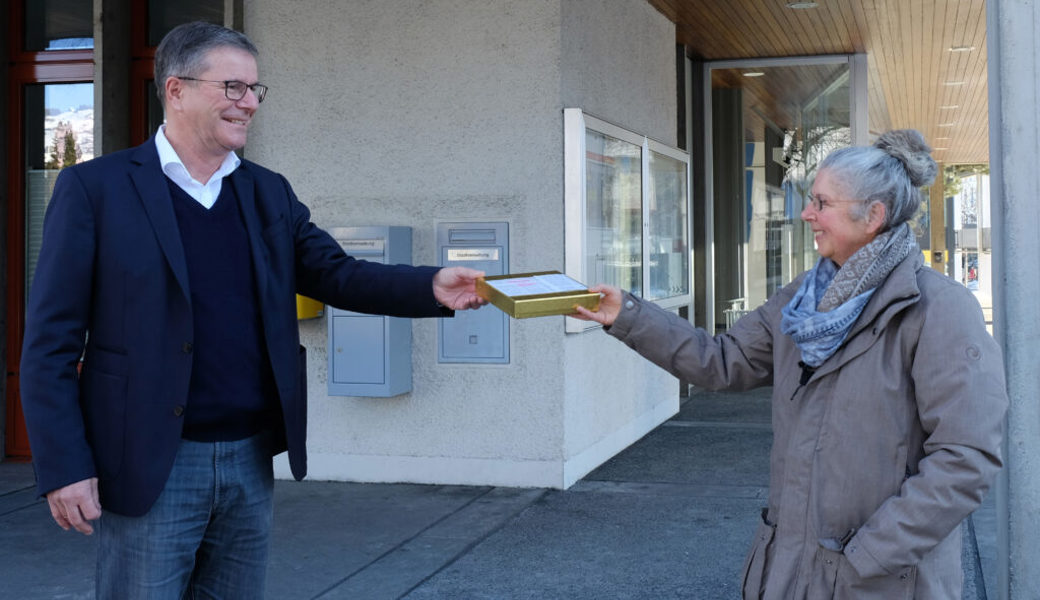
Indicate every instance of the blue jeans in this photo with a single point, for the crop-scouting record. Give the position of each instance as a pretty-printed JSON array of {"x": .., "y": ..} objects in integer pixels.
[{"x": 207, "y": 534}]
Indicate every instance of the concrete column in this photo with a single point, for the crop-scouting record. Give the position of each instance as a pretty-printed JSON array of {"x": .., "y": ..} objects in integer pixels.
[
  {"x": 111, "y": 75},
  {"x": 233, "y": 15},
  {"x": 1012, "y": 32}
]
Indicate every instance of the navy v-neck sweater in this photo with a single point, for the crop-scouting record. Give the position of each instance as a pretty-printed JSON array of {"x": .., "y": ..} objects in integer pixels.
[{"x": 232, "y": 393}]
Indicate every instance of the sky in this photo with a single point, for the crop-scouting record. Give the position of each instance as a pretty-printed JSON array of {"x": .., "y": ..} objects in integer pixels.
[{"x": 69, "y": 95}]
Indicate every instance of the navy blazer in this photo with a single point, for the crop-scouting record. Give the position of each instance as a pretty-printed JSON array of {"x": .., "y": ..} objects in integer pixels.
[{"x": 111, "y": 285}]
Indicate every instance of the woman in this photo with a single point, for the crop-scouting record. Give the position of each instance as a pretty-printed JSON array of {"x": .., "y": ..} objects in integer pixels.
[{"x": 888, "y": 393}]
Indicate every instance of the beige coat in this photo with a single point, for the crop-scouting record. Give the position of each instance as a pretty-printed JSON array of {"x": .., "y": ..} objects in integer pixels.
[{"x": 878, "y": 456}]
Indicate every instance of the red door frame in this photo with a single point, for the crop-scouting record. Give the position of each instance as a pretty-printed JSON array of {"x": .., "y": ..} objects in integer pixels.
[{"x": 64, "y": 66}]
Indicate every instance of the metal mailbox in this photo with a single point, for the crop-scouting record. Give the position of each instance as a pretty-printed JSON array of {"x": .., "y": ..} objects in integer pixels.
[
  {"x": 482, "y": 335},
  {"x": 371, "y": 355}
]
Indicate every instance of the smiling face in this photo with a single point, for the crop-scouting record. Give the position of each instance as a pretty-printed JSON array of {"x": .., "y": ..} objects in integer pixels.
[
  {"x": 199, "y": 114},
  {"x": 837, "y": 232}
]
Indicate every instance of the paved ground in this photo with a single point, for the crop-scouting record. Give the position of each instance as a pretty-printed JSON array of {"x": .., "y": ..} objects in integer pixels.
[{"x": 670, "y": 517}]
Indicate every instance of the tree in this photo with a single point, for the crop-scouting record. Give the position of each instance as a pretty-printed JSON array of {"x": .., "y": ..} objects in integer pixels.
[
  {"x": 952, "y": 175},
  {"x": 64, "y": 151},
  {"x": 72, "y": 153}
]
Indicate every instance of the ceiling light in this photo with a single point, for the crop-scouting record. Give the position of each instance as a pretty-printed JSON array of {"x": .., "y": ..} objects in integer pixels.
[
  {"x": 961, "y": 48},
  {"x": 949, "y": 106},
  {"x": 945, "y": 124},
  {"x": 953, "y": 83},
  {"x": 941, "y": 138},
  {"x": 753, "y": 74},
  {"x": 802, "y": 5},
  {"x": 937, "y": 149}
]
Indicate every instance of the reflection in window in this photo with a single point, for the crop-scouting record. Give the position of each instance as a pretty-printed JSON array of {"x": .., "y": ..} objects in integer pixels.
[
  {"x": 669, "y": 256},
  {"x": 626, "y": 203},
  {"x": 164, "y": 15},
  {"x": 614, "y": 241},
  {"x": 59, "y": 132},
  {"x": 770, "y": 133},
  {"x": 58, "y": 25}
]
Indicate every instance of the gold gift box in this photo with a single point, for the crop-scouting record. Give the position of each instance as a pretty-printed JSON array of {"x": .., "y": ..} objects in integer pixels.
[{"x": 510, "y": 296}]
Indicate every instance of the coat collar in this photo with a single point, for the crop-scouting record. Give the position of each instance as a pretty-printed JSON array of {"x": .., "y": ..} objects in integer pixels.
[
  {"x": 154, "y": 193},
  {"x": 899, "y": 291},
  {"x": 245, "y": 190}
]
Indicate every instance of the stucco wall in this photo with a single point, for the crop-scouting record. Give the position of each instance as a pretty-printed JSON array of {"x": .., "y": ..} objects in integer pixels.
[
  {"x": 618, "y": 65},
  {"x": 413, "y": 113}
]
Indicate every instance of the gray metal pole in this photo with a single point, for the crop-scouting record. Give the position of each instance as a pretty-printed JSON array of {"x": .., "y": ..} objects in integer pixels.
[{"x": 1013, "y": 70}]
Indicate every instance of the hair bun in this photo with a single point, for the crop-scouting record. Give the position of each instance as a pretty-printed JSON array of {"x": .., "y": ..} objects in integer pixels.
[{"x": 909, "y": 147}]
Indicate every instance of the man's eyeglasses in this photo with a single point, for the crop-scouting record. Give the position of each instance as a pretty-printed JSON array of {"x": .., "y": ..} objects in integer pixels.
[{"x": 236, "y": 90}]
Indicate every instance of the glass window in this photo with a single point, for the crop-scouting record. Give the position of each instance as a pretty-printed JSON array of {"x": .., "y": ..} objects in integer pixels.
[
  {"x": 614, "y": 240},
  {"x": 669, "y": 227},
  {"x": 59, "y": 131},
  {"x": 164, "y": 15},
  {"x": 58, "y": 25},
  {"x": 626, "y": 212}
]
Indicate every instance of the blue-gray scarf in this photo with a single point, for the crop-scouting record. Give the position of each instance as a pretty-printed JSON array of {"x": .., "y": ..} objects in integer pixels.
[{"x": 827, "y": 304}]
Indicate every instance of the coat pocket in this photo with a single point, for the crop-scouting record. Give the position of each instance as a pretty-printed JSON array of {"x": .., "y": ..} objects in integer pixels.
[
  {"x": 755, "y": 564},
  {"x": 834, "y": 577},
  {"x": 104, "y": 415},
  {"x": 825, "y": 573}
]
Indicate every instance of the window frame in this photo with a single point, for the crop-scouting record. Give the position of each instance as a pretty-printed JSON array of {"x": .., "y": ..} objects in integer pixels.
[{"x": 577, "y": 123}]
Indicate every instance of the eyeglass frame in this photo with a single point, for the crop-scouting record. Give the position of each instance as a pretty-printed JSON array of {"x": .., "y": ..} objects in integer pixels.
[
  {"x": 259, "y": 90},
  {"x": 818, "y": 203}
]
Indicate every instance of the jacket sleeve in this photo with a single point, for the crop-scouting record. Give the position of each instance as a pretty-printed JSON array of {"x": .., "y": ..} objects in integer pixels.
[
  {"x": 326, "y": 273},
  {"x": 958, "y": 377},
  {"x": 739, "y": 359},
  {"x": 55, "y": 330}
]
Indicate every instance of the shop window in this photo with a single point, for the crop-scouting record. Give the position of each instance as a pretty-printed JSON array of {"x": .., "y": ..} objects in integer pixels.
[{"x": 627, "y": 216}]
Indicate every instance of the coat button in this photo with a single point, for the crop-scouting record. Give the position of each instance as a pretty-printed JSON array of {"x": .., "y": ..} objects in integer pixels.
[
  {"x": 629, "y": 304},
  {"x": 178, "y": 410},
  {"x": 186, "y": 347}
]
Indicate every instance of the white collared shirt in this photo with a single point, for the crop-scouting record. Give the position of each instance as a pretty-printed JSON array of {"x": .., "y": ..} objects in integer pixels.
[{"x": 205, "y": 193}]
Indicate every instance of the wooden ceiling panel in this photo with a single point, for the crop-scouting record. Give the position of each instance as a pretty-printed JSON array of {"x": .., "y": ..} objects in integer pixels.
[{"x": 912, "y": 73}]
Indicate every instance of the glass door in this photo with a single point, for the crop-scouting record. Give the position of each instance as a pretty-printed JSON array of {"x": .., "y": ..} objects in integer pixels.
[
  {"x": 57, "y": 130},
  {"x": 771, "y": 123},
  {"x": 51, "y": 117}
]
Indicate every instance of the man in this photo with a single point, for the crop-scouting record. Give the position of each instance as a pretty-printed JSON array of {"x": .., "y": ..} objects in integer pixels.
[{"x": 168, "y": 273}]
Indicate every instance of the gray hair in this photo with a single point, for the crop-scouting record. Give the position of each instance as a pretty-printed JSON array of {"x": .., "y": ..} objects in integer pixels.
[
  {"x": 891, "y": 172},
  {"x": 182, "y": 51}
]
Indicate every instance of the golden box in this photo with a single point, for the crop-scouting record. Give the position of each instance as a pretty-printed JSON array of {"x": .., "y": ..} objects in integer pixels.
[{"x": 539, "y": 294}]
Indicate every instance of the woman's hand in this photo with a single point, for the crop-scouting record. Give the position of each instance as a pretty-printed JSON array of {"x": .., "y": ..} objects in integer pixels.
[{"x": 609, "y": 305}]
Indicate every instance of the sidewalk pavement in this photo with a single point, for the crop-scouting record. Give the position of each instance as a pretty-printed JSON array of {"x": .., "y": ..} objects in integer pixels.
[{"x": 670, "y": 517}]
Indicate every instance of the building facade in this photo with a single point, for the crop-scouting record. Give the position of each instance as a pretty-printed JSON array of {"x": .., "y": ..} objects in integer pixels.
[{"x": 454, "y": 114}]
